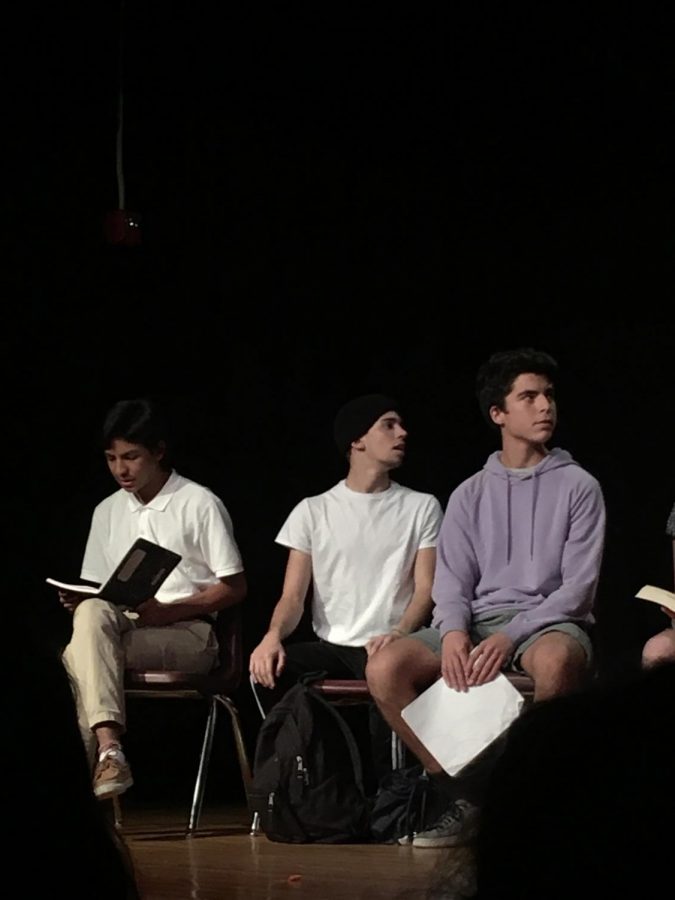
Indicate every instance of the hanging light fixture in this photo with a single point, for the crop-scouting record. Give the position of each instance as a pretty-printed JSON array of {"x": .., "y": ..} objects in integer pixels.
[{"x": 121, "y": 226}]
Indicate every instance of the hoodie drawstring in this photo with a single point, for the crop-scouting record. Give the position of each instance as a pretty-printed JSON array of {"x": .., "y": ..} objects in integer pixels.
[
  {"x": 533, "y": 505},
  {"x": 535, "y": 490},
  {"x": 508, "y": 518}
]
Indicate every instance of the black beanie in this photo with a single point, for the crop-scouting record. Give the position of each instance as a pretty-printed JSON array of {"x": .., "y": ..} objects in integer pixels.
[{"x": 358, "y": 416}]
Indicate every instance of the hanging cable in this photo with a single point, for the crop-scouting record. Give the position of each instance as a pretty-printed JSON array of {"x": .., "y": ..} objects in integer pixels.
[{"x": 120, "y": 117}]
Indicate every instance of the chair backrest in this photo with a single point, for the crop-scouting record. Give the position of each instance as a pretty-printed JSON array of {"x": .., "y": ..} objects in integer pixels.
[{"x": 230, "y": 646}]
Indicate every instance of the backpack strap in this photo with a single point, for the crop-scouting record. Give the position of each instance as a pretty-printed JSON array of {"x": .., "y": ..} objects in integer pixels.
[
  {"x": 415, "y": 810},
  {"x": 346, "y": 732}
]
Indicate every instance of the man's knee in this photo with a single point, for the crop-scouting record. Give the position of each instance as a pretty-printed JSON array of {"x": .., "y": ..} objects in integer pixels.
[
  {"x": 556, "y": 656},
  {"x": 404, "y": 664},
  {"x": 93, "y": 613},
  {"x": 659, "y": 649},
  {"x": 381, "y": 670}
]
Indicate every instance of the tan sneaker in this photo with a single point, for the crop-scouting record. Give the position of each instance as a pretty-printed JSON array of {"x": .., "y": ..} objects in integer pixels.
[{"x": 112, "y": 775}]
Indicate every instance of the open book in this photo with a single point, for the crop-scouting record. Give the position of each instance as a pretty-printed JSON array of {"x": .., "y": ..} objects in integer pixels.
[
  {"x": 140, "y": 573},
  {"x": 657, "y": 595}
]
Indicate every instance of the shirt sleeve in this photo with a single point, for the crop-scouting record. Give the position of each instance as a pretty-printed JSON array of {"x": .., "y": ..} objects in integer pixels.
[
  {"x": 456, "y": 572},
  {"x": 431, "y": 525},
  {"x": 216, "y": 540},
  {"x": 296, "y": 532}
]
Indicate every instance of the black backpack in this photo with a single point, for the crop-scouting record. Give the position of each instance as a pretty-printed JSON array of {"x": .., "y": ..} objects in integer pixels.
[
  {"x": 400, "y": 806},
  {"x": 307, "y": 779}
]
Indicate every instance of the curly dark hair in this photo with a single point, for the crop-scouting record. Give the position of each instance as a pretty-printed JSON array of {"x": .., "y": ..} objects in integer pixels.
[{"x": 496, "y": 376}]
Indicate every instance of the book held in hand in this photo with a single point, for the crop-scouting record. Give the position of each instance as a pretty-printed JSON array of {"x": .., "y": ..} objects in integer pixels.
[
  {"x": 140, "y": 573},
  {"x": 657, "y": 595}
]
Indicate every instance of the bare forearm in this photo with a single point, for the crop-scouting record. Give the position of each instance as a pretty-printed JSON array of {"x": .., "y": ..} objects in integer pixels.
[
  {"x": 286, "y": 617},
  {"x": 416, "y": 614}
]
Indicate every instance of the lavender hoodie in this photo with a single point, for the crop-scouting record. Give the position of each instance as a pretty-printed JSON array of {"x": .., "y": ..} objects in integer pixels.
[{"x": 532, "y": 544}]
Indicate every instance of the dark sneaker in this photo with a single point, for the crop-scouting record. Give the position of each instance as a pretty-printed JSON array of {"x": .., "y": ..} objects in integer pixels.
[
  {"x": 112, "y": 775},
  {"x": 457, "y": 825}
]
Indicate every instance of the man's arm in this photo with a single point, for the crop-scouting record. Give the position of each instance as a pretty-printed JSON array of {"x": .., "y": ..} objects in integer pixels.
[
  {"x": 580, "y": 570},
  {"x": 418, "y": 610},
  {"x": 268, "y": 659},
  {"x": 457, "y": 571},
  {"x": 229, "y": 590},
  {"x": 219, "y": 551},
  {"x": 455, "y": 580}
]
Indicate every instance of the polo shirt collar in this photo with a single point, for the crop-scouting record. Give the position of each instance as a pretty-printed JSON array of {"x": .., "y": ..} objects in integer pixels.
[{"x": 161, "y": 500}]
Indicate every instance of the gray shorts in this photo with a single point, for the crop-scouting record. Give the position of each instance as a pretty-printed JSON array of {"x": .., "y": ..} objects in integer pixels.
[{"x": 487, "y": 625}]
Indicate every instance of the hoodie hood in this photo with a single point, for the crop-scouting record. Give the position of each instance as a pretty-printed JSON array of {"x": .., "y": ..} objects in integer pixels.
[{"x": 556, "y": 459}]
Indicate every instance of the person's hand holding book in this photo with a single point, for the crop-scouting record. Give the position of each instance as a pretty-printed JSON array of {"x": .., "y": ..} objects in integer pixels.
[{"x": 71, "y": 599}]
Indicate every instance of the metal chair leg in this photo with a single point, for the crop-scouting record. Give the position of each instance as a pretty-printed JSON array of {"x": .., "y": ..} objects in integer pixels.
[
  {"x": 198, "y": 795},
  {"x": 242, "y": 755},
  {"x": 117, "y": 812}
]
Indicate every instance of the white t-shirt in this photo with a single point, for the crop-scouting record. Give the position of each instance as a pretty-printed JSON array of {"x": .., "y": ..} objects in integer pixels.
[
  {"x": 363, "y": 548},
  {"x": 184, "y": 517}
]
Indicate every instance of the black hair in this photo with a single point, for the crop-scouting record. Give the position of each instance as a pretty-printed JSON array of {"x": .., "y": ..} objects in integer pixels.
[
  {"x": 138, "y": 421},
  {"x": 496, "y": 376}
]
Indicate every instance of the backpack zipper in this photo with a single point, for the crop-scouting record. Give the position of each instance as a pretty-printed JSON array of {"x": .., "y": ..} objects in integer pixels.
[{"x": 301, "y": 772}]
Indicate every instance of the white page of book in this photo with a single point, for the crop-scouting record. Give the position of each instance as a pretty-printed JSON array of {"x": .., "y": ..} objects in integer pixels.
[
  {"x": 73, "y": 588},
  {"x": 657, "y": 595}
]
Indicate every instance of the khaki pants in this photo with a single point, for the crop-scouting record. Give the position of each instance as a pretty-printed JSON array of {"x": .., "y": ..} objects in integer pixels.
[{"x": 106, "y": 641}]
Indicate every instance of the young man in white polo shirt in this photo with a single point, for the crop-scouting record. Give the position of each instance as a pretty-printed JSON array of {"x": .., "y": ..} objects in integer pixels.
[
  {"x": 366, "y": 546},
  {"x": 172, "y": 630}
]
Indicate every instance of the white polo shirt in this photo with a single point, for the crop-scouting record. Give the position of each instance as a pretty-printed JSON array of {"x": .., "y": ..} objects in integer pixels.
[
  {"x": 184, "y": 517},
  {"x": 363, "y": 549}
]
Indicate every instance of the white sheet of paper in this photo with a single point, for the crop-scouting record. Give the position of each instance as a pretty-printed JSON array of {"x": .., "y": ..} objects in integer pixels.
[{"x": 455, "y": 727}]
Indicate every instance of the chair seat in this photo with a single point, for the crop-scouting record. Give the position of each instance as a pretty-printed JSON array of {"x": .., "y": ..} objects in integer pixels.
[
  {"x": 344, "y": 688},
  {"x": 208, "y": 683},
  {"x": 522, "y": 683},
  {"x": 352, "y": 688}
]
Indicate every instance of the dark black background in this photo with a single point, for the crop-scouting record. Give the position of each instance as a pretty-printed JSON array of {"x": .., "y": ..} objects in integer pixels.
[{"x": 335, "y": 202}]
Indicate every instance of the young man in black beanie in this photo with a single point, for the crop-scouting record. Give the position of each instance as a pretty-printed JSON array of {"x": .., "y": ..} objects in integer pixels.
[{"x": 366, "y": 546}]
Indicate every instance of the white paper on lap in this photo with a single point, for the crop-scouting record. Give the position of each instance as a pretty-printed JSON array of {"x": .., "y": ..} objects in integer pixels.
[{"x": 455, "y": 727}]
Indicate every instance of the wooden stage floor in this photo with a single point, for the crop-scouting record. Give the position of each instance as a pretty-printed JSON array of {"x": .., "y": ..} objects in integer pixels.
[{"x": 224, "y": 861}]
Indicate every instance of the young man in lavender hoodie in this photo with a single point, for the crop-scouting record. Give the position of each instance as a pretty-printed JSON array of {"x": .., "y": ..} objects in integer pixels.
[{"x": 517, "y": 566}]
